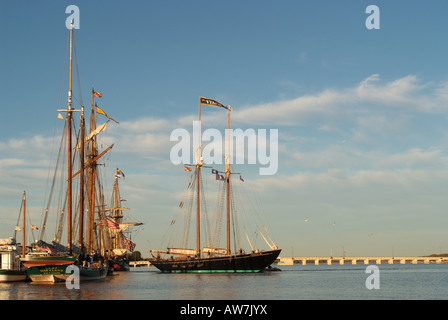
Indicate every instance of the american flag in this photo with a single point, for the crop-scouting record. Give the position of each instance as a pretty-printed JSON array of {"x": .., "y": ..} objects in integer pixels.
[
  {"x": 109, "y": 223},
  {"x": 128, "y": 244}
]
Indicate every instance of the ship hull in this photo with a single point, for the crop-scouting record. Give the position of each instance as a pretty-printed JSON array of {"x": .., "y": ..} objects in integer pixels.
[
  {"x": 12, "y": 275},
  {"x": 255, "y": 262},
  {"x": 121, "y": 266},
  {"x": 48, "y": 273},
  {"x": 59, "y": 273},
  {"x": 48, "y": 269},
  {"x": 88, "y": 274}
]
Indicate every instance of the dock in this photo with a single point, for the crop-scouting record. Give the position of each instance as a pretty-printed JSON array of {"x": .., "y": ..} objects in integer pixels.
[{"x": 142, "y": 263}]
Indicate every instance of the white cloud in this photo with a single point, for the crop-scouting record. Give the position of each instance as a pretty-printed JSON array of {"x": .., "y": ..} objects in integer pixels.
[{"x": 408, "y": 93}]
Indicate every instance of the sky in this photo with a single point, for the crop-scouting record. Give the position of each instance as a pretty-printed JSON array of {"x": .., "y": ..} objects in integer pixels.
[{"x": 361, "y": 113}]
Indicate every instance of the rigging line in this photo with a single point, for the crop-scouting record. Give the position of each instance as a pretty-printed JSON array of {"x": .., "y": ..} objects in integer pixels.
[
  {"x": 77, "y": 71},
  {"x": 244, "y": 218},
  {"x": 219, "y": 214},
  {"x": 18, "y": 219},
  {"x": 187, "y": 218},
  {"x": 55, "y": 174},
  {"x": 204, "y": 212},
  {"x": 43, "y": 220},
  {"x": 29, "y": 223},
  {"x": 236, "y": 231}
]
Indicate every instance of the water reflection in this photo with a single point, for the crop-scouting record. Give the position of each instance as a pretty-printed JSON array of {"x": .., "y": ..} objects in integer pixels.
[{"x": 292, "y": 283}]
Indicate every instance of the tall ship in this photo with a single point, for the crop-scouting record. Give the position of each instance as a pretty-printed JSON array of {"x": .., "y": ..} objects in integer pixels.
[
  {"x": 210, "y": 254},
  {"x": 75, "y": 200},
  {"x": 121, "y": 227}
]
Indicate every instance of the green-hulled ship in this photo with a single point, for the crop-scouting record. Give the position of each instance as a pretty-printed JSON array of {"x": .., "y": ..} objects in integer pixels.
[{"x": 89, "y": 250}]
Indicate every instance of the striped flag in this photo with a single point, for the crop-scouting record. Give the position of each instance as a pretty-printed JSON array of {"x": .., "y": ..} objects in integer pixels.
[
  {"x": 128, "y": 244},
  {"x": 96, "y": 94},
  {"x": 109, "y": 223}
]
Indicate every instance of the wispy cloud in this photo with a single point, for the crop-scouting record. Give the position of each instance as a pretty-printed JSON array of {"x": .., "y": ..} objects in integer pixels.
[{"x": 408, "y": 93}]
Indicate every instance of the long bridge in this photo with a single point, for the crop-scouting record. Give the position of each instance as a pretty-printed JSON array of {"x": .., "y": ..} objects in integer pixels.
[{"x": 289, "y": 261}]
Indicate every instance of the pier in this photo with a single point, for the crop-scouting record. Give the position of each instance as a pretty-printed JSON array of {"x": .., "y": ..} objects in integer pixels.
[
  {"x": 289, "y": 261},
  {"x": 142, "y": 263}
]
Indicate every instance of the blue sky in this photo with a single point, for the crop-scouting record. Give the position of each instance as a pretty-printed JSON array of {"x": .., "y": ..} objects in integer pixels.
[{"x": 361, "y": 113}]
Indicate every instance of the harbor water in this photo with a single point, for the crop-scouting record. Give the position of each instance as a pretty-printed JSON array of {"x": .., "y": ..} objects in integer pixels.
[{"x": 297, "y": 282}]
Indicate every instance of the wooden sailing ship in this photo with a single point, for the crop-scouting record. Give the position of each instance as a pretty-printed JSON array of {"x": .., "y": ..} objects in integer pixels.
[
  {"x": 120, "y": 228},
  {"x": 83, "y": 209},
  {"x": 212, "y": 258}
]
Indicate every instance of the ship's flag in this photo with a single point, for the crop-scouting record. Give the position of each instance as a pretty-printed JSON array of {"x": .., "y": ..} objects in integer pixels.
[
  {"x": 97, "y": 94},
  {"x": 211, "y": 102},
  {"x": 214, "y": 171},
  {"x": 60, "y": 116},
  {"x": 128, "y": 244},
  {"x": 95, "y": 132},
  {"x": 109, "y": 223},
  {"x": 122, "y": 199},
  {"x": 187, "y": 168},
  {"x": 241, "y": 178},
  {"x": 119, "y": 174},
  {"x": 33, "y": 227},
  {"x": 98, "y": 110}
]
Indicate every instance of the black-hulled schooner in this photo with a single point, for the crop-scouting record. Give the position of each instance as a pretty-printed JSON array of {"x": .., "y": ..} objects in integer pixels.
[
  {"x": 78, "y": 207},
  {"x": 213, "y": 257}
]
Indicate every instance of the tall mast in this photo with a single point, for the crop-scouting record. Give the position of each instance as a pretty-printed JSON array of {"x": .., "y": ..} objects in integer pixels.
[
  {"x": 228, "y": 181},
  {"x": 69, "y": 147},
  {"x": 198, "y": 170},
  {"x": 81, "y": 184},
  {"x": 24, "y": 212},
  {"x": 92, "y": 179}
]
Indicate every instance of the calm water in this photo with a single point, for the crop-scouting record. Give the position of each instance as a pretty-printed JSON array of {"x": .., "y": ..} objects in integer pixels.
[{"x": 406, "y": 282}]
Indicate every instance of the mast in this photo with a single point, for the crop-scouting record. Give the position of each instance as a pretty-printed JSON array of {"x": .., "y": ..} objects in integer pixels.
[
  {"x": 81, "y": 184},
  {"x": 69, "y": 147},
  {"x": 116, "y": 211},
  {"x": 198, "y": 170},
  {"x": 228, "y": 182},
  {"x": 24, "y": 212},
  {"x": 91, "y": 216}
]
